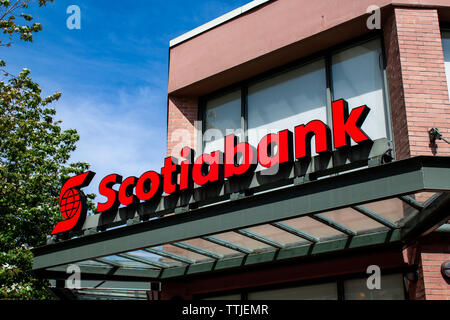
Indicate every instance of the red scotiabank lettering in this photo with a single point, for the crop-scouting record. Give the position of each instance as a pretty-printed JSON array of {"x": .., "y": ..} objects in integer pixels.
[{"x": 239, "y": 158}]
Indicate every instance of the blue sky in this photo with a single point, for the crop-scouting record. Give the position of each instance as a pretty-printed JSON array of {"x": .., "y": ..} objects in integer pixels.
[{"x": 112, "y": 74}]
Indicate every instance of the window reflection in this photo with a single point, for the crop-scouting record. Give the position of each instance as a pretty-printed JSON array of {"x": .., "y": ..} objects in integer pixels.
[
  {"x": 391, "y": 289},
  {"x": 287, "y": 100},
  {"x": 357, "y": 76},
  {"x": 299, "y": 95},
  {"x": 222, "y": 114}
]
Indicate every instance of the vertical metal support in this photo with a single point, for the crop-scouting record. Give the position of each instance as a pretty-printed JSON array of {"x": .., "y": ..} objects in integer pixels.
[
  {"x": 387, "y": 103},
  {"x": 155, "y": 291},
  {"x": 244, "y": 112},
  {"x": 329, "y": 88},
  {"x": 201, "y": 125}
]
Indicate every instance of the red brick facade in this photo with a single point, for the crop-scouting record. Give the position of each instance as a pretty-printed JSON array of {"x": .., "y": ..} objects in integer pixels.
[
  {"x": 181, "y": 117},
  {"x": 417, "y": 83},
  {"x": 435, "y": 286},
  {"x": 419, "y": 101}
]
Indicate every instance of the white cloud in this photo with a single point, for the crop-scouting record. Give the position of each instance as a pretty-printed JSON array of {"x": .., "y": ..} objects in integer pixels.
[{"x": 127, "y": 137}]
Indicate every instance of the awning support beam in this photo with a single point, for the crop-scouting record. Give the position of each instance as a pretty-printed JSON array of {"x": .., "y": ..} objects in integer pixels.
[
  {"x": 333, "y": 224},
  {"x": 142, "y": 260},
  {"x": 412, "y": 202},
  {"x": 375, "y": 216},
  {"x": 260, "y": 238},
  {"x": 227, "y": 244},
  {"x": 169, "y": 255},
  {"x": 197, "y": 250},
  {"x": 295, "y": 231}
]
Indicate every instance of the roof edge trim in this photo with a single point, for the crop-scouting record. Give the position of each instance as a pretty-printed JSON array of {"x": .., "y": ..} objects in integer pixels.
[{"x": 216, "y": 22}]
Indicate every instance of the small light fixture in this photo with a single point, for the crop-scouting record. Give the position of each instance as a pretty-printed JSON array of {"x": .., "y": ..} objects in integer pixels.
[
  {"x": 445, "y": 270},
  {"x": 434, "y": 135}
]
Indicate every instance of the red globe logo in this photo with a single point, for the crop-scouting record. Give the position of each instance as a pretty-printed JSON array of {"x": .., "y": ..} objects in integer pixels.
[{"x": 70, "y": 203}]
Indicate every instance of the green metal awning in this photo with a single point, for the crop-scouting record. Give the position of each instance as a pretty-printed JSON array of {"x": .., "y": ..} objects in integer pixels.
[{"x": 389, "y": 203}]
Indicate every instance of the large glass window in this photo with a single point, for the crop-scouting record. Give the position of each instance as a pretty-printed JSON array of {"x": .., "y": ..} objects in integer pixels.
[
  {"x": 222, "y": 114},
  {"x": 392, "y": 287},
  {"x": 357, "y": 77},
  {"x": 298, "y": 95},
  {"x": 287, "y": 100},
  {"x": 325, "y": 291},
  {"x": 446, "y": 48}
]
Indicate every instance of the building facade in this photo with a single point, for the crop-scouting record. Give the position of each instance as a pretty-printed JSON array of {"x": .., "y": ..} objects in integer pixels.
[
  {"x": 361, "y": 208},
  {"x": 280, "y": 59}
]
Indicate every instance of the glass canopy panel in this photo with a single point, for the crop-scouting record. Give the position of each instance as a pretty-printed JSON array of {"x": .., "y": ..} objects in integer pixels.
[
  {"x": 185, "y": 253},
  {"x": 242, "y": 241},
  {"x": 126, "y": 263},
  {"x": 155, "y": 258},
  {"x": 93, "y": 263},
  {"x": 422, "y": 197},
  {"x": 392, "y": 209},
  {"x": 352, "y": 219},
  {"x": 207, "y": 245},
  {"x": 276, "y": 234},
  {"x": 313, "y": 227}
]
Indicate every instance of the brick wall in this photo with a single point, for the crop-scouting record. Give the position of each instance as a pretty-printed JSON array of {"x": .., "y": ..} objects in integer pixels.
[
  {"x": 436, "y": 288},
  {"x": 435, "y": 249},
  {"x": 396, "y": 95},
  {"x": 428, "y": 254},
  {"x": 419, "y": 101},
  {"x": 417, "y": 82},
  {"x": 181, "y": 117}
]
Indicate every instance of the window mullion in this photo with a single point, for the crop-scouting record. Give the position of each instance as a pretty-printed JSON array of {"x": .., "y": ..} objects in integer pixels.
[
  {"x": 244, "y": 113},
  {"x": 329, "y": 90}
]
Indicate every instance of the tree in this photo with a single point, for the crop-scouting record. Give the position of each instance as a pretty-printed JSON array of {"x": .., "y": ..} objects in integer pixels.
[{"x": 34, "y": 164}]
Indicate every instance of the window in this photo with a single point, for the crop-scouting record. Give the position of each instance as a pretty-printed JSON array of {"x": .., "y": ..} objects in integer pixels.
[
  {"x": 287, "y": 100},
  {"x": 446, "y": 48},
  {"x": 301, "y": 94},
  {"x": 221, "y": 115},
  {"x": 392, "y": 287},
  {"x": 325, "y": 291},
  {"x": 357, "y": 76}
]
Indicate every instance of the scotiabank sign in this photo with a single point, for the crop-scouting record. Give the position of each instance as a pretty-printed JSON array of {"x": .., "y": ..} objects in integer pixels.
[{"x": 238, "y": 159}]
